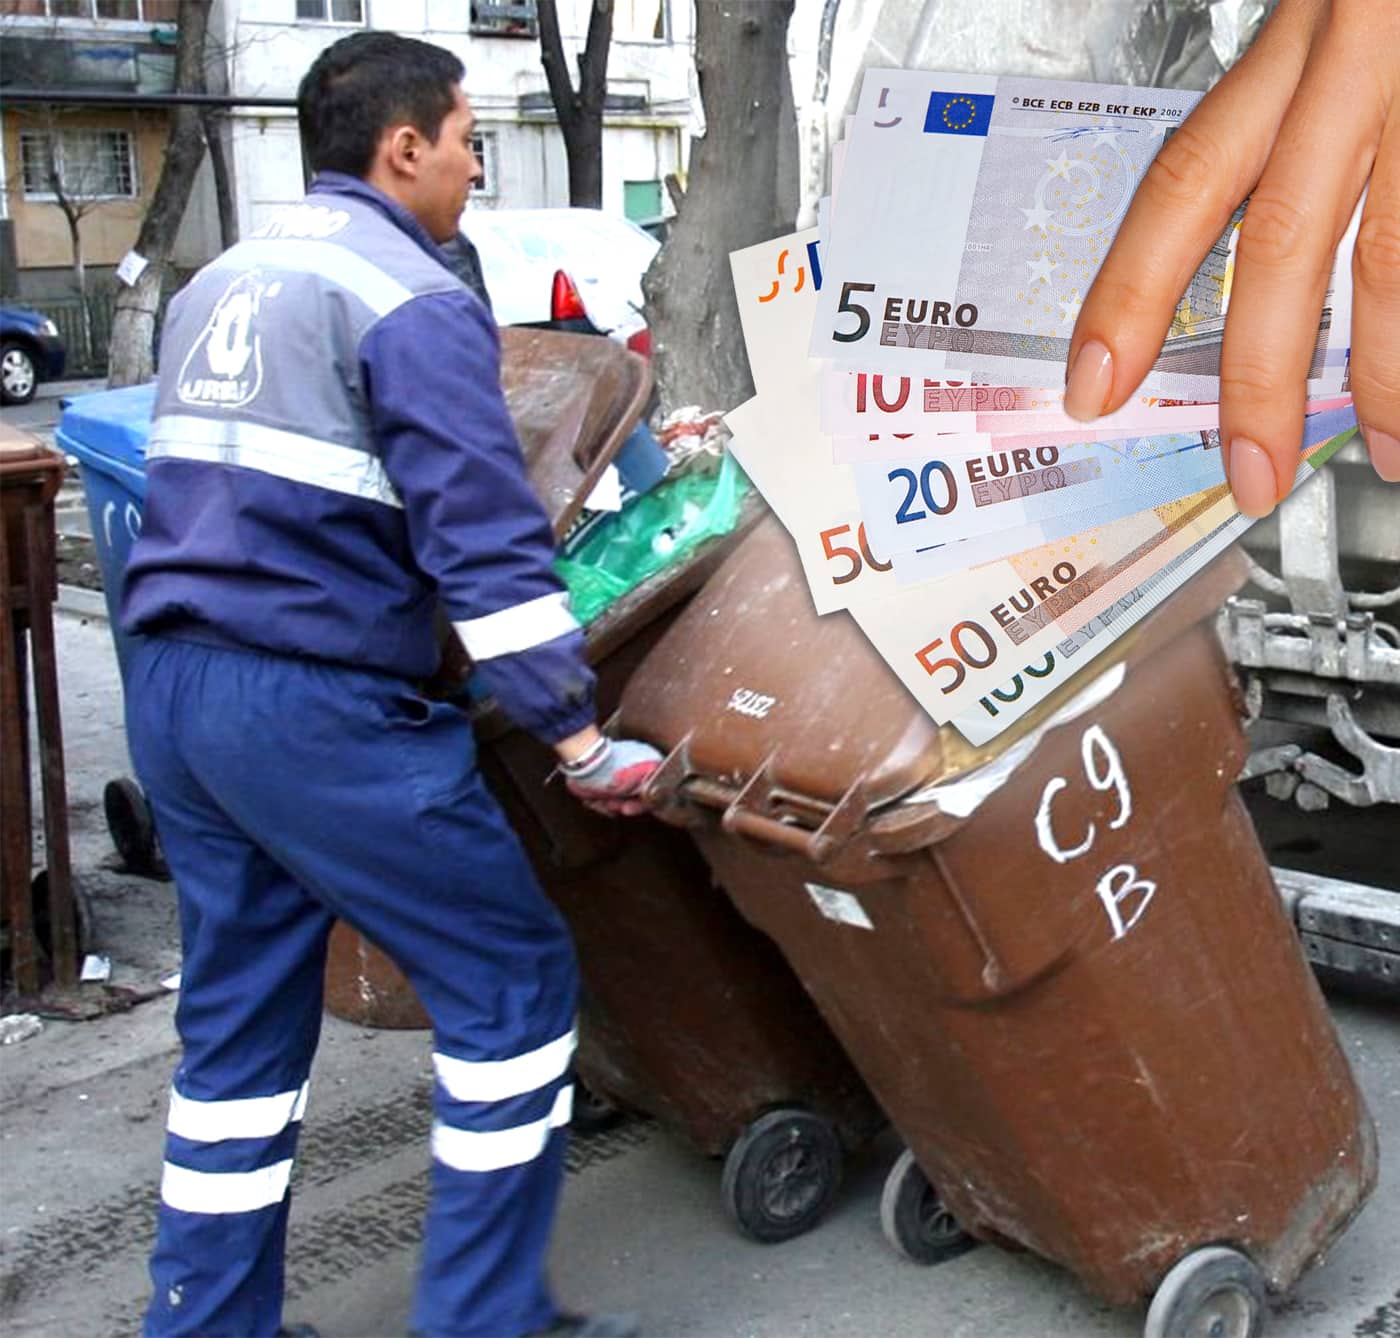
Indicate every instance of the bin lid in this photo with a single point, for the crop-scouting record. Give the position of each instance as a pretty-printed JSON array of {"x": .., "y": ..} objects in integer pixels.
[
  {"x": 110, "y": 425},
  {"x": 753, "y": 676},
  {"x": 574, "y": 399}
]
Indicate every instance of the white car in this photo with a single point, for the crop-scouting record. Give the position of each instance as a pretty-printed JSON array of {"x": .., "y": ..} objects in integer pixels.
[{"x": 601, "y": 256}]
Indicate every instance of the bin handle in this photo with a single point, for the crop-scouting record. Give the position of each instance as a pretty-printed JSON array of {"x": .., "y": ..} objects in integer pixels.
[{"x": 675, "y": 784}]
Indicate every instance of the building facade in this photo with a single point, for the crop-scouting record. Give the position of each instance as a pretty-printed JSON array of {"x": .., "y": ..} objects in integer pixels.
[{"x": 107, "y": 155}]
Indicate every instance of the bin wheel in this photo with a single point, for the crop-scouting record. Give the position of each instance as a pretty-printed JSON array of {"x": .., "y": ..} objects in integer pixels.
[
  {"x": 915, "y": 1219},
  {"x": 781, "y": 1175},
  {"x": 132, "y": 828},
  {"x": 1211, "y": 1293},
  {"x": 592, "y": 1113}
]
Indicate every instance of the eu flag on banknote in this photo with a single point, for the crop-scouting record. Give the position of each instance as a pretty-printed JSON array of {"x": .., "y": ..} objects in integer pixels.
[{"x": 959, "y": 113}]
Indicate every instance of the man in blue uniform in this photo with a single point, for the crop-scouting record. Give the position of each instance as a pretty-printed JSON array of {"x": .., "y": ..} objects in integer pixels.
[{"x": 330, "y": 461}]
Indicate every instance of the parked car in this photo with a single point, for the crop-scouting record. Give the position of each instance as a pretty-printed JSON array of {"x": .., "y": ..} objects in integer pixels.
[
  {"x": 30, "y": 351},
  {"x": 568, "y": 268}
]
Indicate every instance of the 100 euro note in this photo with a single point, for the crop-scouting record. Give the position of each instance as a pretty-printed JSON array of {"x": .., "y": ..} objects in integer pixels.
[{"x": 974, "y": 214}]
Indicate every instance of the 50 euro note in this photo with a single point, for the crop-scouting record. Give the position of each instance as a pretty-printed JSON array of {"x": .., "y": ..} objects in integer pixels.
[
  {"x": 815, "y": 502},
  {"x": 974, "y": 214}
]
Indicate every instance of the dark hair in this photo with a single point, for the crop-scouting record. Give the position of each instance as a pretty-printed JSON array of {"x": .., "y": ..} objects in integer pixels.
[{"x": 361, "y": 85}]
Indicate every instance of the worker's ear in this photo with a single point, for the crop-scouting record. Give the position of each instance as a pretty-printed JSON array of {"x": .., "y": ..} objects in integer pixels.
[{"x": 401, "y": 150}]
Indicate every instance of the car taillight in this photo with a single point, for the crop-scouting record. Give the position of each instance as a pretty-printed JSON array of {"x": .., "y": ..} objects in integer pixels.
[
  {"x": 640, "y": 342},
  {"x": 564, "y": 302}
]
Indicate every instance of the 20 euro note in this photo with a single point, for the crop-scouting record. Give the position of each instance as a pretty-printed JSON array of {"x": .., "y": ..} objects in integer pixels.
[
  {"x": 781, "y": 450},
  {"x": 924, "y": 499},
  {"x": 974, "y": 214}
]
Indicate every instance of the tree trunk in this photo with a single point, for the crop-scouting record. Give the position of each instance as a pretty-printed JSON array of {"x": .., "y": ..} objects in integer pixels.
[
  {"x": 741, "y": 191},
  {"x": 579, "y": 111},
  {"x": 131, "y": 354}
]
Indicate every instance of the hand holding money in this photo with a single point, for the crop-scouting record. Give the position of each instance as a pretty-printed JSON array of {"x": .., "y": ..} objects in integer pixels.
[{"x": 1299, "y": 125}]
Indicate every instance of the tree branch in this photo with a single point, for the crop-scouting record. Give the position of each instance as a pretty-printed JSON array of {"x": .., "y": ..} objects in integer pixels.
[
  {"x": 593, "y": 59},
  {"x": 556, "y": 70}
]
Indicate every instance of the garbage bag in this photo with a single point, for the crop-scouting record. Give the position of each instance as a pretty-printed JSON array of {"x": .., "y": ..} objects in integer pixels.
[{"x": 656, "y": 530}]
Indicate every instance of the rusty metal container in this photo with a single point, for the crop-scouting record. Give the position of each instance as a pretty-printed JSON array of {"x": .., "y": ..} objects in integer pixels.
[{"x": 1061, "y": 965}]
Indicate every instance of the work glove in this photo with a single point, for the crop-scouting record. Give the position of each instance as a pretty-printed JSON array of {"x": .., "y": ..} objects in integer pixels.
[{"x": 609, "y": 779}]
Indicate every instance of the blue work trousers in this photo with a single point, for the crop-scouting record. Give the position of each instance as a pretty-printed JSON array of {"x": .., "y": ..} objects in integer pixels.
[{"x": 287, "y": 794}]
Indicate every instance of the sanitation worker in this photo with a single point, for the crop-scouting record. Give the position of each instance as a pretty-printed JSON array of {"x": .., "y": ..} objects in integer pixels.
[{"x": 330, "y": 460}]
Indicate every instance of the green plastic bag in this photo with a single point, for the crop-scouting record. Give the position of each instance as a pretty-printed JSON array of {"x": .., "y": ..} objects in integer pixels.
[{"x": 652, "y": 532}]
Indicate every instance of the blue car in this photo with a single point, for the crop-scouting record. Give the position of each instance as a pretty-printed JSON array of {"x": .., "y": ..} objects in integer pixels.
[{"x": 30, "y": 351}]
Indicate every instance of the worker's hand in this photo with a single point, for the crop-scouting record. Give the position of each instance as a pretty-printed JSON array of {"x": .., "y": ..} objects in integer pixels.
[
  {"x": 610, "y": 781},
  {"x": 1309, "y": 114}
]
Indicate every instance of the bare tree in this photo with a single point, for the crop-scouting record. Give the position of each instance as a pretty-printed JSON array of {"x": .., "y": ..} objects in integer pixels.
[
  {"x": 131, "y": 354},
  {"x": 70, "y": 170},
  {"x": 741, "y": 190},
  {"x": 580, "y": 110}
]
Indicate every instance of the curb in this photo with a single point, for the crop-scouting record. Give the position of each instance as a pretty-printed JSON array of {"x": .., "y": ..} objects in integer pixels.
[{"x": 73, "y": 599}]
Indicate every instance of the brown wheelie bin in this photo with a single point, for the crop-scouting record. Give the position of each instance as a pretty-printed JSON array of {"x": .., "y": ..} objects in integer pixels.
[
  {"x": 689, "y": 1014},
  {"x": 1061, "y": 965}
]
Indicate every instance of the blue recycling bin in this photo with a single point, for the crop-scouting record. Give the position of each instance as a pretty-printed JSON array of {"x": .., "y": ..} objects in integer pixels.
[{"x": 107, "y": 433}]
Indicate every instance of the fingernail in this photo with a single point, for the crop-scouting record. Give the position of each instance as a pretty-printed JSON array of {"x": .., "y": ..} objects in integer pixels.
[
  {"x": 1385, "y": 453},
  {"x": 1252, "y": 478},
  {"x": 1089, "y": 382}
]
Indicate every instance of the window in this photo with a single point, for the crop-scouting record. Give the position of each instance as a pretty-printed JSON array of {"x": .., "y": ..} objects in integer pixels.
[
  {"x": 331, "y": 11},
  {"x": 504, "y": 18},
  {"x": 642, "y": 20},
  {"x": 484, "y": 146},
  {"x": 125, "y": 11},
  {"x": 91, "y": 164}
]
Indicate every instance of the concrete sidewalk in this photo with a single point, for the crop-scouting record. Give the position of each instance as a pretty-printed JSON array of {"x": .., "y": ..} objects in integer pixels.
[{"x": 641, "y": 1227}]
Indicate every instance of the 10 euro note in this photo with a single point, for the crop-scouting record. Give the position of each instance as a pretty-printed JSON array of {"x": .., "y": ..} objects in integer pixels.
[
  {"x": 858, "y": 401},
  {"x": 974, "y": 214}
]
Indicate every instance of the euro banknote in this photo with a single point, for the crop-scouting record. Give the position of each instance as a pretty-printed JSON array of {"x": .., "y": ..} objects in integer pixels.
[
  {"x": 950, "y": 652},
  {"x": 779, "y": 443},
  {"x": 974, "y": 213},
  {"x": 913, "y": 502},
  {"x": 860, "y": 401}
]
